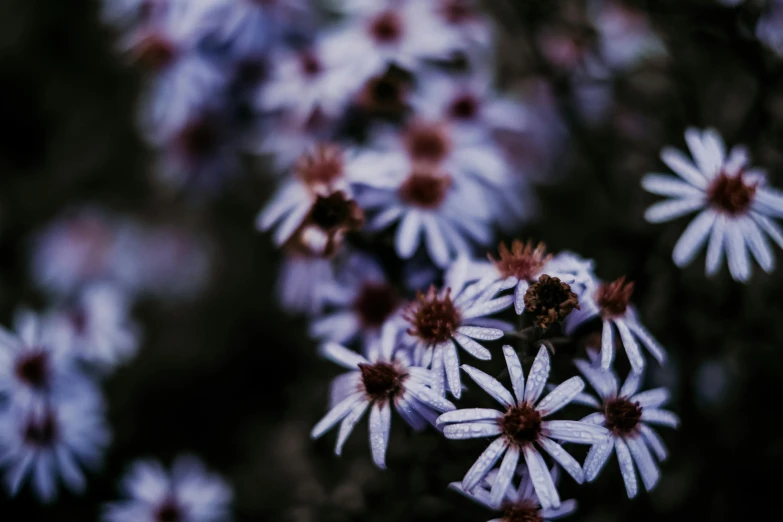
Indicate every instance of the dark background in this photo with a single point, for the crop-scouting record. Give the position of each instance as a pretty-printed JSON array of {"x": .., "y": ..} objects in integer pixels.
[{"x": 232, "y": 379}]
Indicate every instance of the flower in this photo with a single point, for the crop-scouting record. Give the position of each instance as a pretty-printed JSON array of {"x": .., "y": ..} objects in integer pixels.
[
  {"x": 611, "y": 302},
  {"x": 361, "y": 301},
  {"x": 51, "y": 439},
  {"x": 456, "y": 316},
  {"x": 550, "y": 300},
  {"x": 460, "y": 23},
  {"x": 734, "y": 201},
  {"x": 384, "y": 379},
  {"x": 189, "y": 493},
  {"x": 518, "y": 504},
  {"x": 625, "y": 35},
  {"x": 97, "y": 328},
  {"x": 316, "y": 205},
  {"x": 520, "y": 426},
  {"x": 626, "y": 414}
]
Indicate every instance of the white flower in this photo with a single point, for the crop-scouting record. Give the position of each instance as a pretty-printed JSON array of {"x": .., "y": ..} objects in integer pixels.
[
  {"x": 360, "y": 301},
  {"x": 611, "y": 302},
  {"x": 519, "y": 504},
  {"x": 98, "y": 328},
  {"x": 383, "y": 379},
  {"x": 734, "y": 201},
  {"x": 438, "y": 322},
  {"x": 51, "y": 440},
  {"x": 189, "y": 493},
  {"x": 521, "y": 425},
  {"x": 626, "y": 414}
]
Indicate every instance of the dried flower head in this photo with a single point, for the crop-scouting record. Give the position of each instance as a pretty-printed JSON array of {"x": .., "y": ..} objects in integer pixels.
[{"x": 550, "y": 300}]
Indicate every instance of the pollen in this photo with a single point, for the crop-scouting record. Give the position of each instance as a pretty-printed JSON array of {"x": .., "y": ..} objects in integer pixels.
[
  {"x": 433, "y": 318},
  {"x": 522, "y": 511},
  {"x": 336, "y": 212},
  {"x": 386, "y": 27}
]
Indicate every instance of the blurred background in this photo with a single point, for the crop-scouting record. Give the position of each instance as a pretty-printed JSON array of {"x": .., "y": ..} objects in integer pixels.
[{"x": 225, "y": 374}]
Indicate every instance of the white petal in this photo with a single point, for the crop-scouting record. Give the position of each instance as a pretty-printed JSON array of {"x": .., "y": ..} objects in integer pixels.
[
  {"x": 436, "y": 244},
  {"x": 490, "y": 385},
  {"x": 597, "y": 457},
  {"x": 770, "y": 227},
  {"x": 503, "y": 479},
  {"x": 585, "y": 399},
  {"x": 426, "y": 396},
  {"x": 652, "y": 398},
  {"x": 484, "y": 463},
  {"x": 563, "y": 458},
  {"x": 539, "y": 373},
  {"x": 631, "y": 384},
  {"x": 669, "y": 186},
  {"x": 715, "y": 246},
  {"x": 758, "y": 244},
  {"x": 408, "y": 235},
  {"x": 515, "y": 372},
  {"x": 682, "y": 166},
  {"x": 481, "y": 333},
  {"x": 566, "y": 508},
  {"x": 451, "y": 364},
  {"x": 348, "y": 423},
  {"x": 560, "y": 396},
  {"x": 380, "y": 424},
  {"x": 69, "y": 470},
  {"x": 470, "y": 415},
  {"x": 408, "y": 412},
  {"x": 488, "y": 307},
  {"x": 474, "y": 430},
  {"x": 693, "y": 238},
  {"x": 607, "y": 345},
  {"x": 626, "y": 467},
  {"x": 700, "y": 152},
  {"x": 630, "y": 345},
  {"x": 671, "y": 209},
  {"x": 472, "y": 347},
  {"x": 43, "y": 477},
  {"x": 336, "y": 414},
  {"x": 716, "y": 151},
  {"x": 575, "y": 431},
  {"x": 603, "y": 381},
  {"x": 737, "y": 254},
  {"x": 649, "y": 342},
  {"x": 542, "y": 480},
  {"x": 519, "y": 296},
  {"x": 655, "y": 442},
  {"x": 291, "y": 223},
  {"x": 644, "y": 461},
  {"x": 282, "y": 202},
  {"x": 662, "y": 417},
  {"x": 438, "y": 370},
  {"x": 341, "y": 355}
]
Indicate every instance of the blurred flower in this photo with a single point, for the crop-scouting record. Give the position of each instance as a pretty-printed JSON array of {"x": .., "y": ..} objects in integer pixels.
[
  {"x": 361, "y": 300},
  {"x": 734, "y": 200},
  {"x": 97, "y": 328},
  {"x": 288, "y": 138},
  {"x": 304, "y": 281},
  {"x": 50, "y": 440},
  {"x": 770, "y": 27},
  {"x": 460, "y": 22},
  {"x": 126, "y": 13},
  {"x": 611, "y": 302},
  {"x": 626, "y": 414},
  {"x": 625, "y": 35},
  {"x": 456, "y": 316},
  {"x": 189, "y": 493},
  {"x": 520, "y": 427},
  {"x": 518, "y": 504},
  {"x": 377, "y": 382}
]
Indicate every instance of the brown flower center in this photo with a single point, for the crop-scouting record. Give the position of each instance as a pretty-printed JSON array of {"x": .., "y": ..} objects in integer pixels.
[
  {"x": 457, "y": 11},
  {"x": 375, "y": 303},
  {"x": 154, "y": 52},
  {"x": 41, "y": 432},
  {"x": 731, "y": 194},
  {"x": 612, "y": 298},
  {"x": 523, "y": 261},
  {"x": 433, "y": 318},
  {"x": 169, "y": 511},
  {"x": 386, "y": 27},
  {"x": 425, "y": 188},
  {"x": 336, "y": 212},
  {"x": 464, "y": 107},
  {"x": 550, "y": 300},
  {"x": 33, "y": 369},
  {"x": 382, "y": 381},
  {"x": 321, "y": 167},
  {"x": 622, "y": 416},
  {"x": 427, "y": 142},
  {"x": 522, "y": 511},
  {"x": 521, "y": 425}
]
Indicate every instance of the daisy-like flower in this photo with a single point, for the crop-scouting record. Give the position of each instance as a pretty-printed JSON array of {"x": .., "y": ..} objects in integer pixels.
[
  {"x": 316, "y": 205},
  {"x": 188, "y": 494},
  {"x": 626, "y": 414},
  {"x": 45, "y": 441},
  {"x": 519, "y": 504},
  {"x": 377, "y": 382},
  {"x": 438, "y": 322},
  {"x": 361, "y": 300},
  {"x": 735, "y": 204},
  {"x": 97, "y": 328},
  {"x": 611, "y": 302},
  {"x": 520, "y": 426}
]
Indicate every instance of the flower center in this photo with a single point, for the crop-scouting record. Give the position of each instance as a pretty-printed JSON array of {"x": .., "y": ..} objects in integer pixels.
[
  {"x": 33, "y": 369},
  {"x": 464, "y": 107},
  {"x": 382, "y": 381},
  {"x": 425, "y": 188},
  {"x": 386, "y": 27},
  {"x": 375, "y": 303},
  {"x": 335, "y": 211},
  {"x": 521, "y": 424},
  {"x": 433, "y": 319},
  {"x": 522, "y": 511},
  {"x": 427, "y": 142},
  {"x": 549, "y": 299},
  {"x": 323, "y": 166},
  {"x": 731, "y": 194},
  {"x": 199, "y": 138},
  {"x": 523, "y": 261},
  {"x": 612, "y": 298},
  {"x": 622, "y": 415},
  {"x": 169, "y": 511},
  {"x": 457, "y": 11},
  {"x": 311, "y": 65},
  {"x": 41, "y": 432},
  {"x": 154, "y": 52}
]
